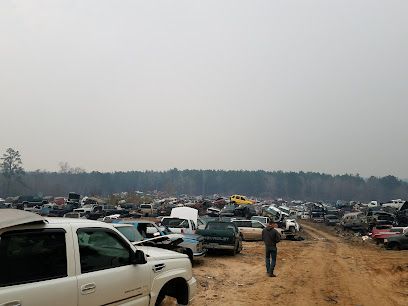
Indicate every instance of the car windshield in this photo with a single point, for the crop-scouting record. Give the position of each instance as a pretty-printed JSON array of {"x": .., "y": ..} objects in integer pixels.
[
  {"x": 130, "y": 233},
  {"x": 175, "y": 223}
]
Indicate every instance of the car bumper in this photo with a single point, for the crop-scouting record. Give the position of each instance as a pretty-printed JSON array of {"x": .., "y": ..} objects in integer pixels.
[
  {"x": 201, "y": 254},
  {"x": 192, "y": 288},
  {"x": 215, "y": 246}
]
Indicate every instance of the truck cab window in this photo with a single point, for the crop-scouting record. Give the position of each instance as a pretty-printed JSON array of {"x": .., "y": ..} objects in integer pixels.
[
  {"x": 257, "y": 225},
  {"x": 101, "y": 249},
  {"x": 32, "y": 256}
]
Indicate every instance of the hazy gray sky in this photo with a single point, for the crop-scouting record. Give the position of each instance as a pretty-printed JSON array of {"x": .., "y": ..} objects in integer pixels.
[{"x": 273, "y": 85}]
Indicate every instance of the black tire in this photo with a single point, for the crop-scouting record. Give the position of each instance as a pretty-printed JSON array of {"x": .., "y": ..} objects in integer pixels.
[
  {"x": 234, "y": 251},
  {"x": 239, "y": 249},
  {"x": 292, "y": 229},
  {"x": 160, "y": 299},
  {"x": 395, "y": 246}
]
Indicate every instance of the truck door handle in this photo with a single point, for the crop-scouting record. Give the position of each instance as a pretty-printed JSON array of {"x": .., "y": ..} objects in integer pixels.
[
  {"x": 88, "y": 288},
  {"x": 12, "y": 303}
]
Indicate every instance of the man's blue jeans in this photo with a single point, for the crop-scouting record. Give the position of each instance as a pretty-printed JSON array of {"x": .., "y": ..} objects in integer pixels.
[{"x": 270, "y": 258}]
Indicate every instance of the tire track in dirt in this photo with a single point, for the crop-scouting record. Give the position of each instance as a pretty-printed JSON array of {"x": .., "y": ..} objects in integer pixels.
[
  {"x": 313, "y": 284},
  {"x": 355, "y": 273}
]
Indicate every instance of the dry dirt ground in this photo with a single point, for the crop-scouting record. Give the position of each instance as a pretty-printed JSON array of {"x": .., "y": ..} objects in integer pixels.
[{"x": 322, "y": 270}]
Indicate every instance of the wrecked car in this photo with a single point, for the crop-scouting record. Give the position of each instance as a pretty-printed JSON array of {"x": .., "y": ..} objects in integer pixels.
[
  {"x": 149, "y": 230},
  {"x": 399, "y": 242},
  {"x": 380, "y": 234},
  {"x": 162, "y": 242}
]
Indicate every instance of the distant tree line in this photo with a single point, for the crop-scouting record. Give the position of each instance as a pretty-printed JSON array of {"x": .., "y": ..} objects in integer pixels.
[{"x": 277, "y": 184}]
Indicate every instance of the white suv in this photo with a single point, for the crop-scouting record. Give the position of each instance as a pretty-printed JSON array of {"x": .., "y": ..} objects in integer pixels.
[{"x": 57, "y": 261}]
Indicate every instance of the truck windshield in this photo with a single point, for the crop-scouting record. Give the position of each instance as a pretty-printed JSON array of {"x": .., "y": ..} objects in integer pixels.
[
  {"x": 175, "y": 223},
  {"x": 130, "y": 233}
]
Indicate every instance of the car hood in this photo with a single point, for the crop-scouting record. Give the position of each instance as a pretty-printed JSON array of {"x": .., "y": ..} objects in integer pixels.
[
  {"x": 192, "y": 237},
  {"x": 187, "y": 237},
  {"x": 153, "y": 253}
]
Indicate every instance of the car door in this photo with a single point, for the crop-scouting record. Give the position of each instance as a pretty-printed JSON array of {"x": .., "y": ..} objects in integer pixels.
[
  {"x": 257, "y": 228},
  {"x": 105, "y": 274},
  {"x": 246, "y": 229},
  {"x": 37, "y": 268}
]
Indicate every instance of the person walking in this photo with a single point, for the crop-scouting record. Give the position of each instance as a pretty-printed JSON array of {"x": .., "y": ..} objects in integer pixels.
[{"x": 271, "y": 237}]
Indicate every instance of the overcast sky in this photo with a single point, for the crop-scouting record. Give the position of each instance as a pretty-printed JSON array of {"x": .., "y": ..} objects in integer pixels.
[{"x": 274, "y": 85}]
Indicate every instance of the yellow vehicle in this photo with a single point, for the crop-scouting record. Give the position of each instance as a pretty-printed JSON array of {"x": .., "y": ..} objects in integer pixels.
[{"x": 240, "y": 199}]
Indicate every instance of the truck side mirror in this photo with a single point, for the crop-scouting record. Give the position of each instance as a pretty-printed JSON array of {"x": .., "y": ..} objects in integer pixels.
[{"x": 138, "y": 258}]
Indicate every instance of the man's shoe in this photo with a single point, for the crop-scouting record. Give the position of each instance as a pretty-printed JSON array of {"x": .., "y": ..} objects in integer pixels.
[{"x": 272, "y": 275}]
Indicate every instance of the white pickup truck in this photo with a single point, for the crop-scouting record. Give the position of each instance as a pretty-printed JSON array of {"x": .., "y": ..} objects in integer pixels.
[
  {"x": 62, "y": 261},
  {"x": 183, "y": 220}
]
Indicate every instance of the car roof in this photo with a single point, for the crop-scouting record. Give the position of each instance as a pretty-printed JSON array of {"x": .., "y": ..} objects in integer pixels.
[
  {"x": 13, "y": 217},
  {"x": 122, "y": 225},
  {"x": 137, "y": 221},
  {"x": 55, "y": 220}
]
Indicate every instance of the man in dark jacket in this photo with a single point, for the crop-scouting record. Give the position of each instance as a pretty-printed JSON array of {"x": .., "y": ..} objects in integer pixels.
[{"x": 271, "y": 237}]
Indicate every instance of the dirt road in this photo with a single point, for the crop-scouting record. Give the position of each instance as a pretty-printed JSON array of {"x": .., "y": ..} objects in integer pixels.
[{"x": 322, "y": 270}]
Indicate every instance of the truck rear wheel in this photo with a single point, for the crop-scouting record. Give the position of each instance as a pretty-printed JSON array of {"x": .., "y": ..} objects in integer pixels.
[
  {"x": 234, "y": 251},
  {"x": 394, "y": 246},
  {"x": 239, "y": 245}
]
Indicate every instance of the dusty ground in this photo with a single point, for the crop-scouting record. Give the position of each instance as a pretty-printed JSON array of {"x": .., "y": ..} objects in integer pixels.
[{"x": 322, "y": 270}]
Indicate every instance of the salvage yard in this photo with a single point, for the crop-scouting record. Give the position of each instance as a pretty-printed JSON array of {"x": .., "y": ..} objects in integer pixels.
[{"x": 324, "y": 269}]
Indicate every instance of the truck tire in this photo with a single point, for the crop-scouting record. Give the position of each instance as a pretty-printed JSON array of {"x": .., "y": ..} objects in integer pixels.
[
  {"x": 394, "y": 246},
  {"x": 175, "y": 288},
  {"x": 235, "y": 250},
  {"x": 239, "y": 249},
  {"x": 160, "y": 298},
  {"x": 292, "y": 229}
]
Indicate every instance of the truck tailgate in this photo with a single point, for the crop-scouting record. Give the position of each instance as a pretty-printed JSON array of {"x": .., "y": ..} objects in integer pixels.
[{"x": 218, "y": 236}]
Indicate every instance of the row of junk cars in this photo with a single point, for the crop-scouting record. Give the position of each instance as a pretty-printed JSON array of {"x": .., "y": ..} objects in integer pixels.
[
  {"x": 139, "y": 254},
  {"x": 383, "y": 222},
  {"x": 186, "y": 226}
]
